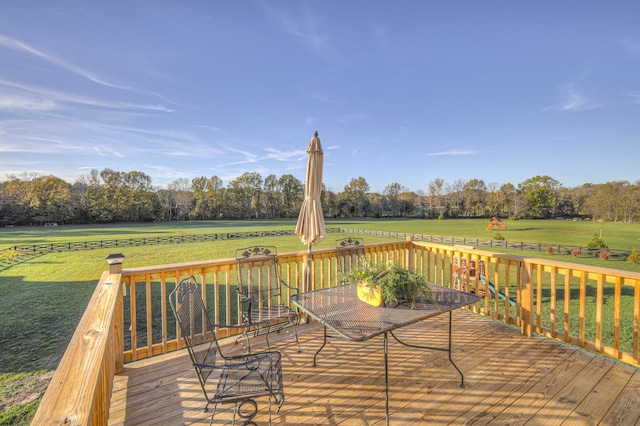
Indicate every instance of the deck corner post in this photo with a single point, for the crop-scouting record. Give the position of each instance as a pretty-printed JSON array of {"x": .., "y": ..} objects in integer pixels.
[
  {"x": 118, "y": 330},
  {"x": 115, "y": 263}
]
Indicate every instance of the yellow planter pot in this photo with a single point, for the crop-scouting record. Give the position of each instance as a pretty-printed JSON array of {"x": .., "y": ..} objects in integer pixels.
[{"x": 370, "y": 295}]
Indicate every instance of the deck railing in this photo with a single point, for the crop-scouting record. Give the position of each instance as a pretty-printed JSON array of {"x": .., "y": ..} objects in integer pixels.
[
  {"x": 129, "y": 319},
  {"x": 582, "y": 305},
  {"x": 80, "y": 390}
]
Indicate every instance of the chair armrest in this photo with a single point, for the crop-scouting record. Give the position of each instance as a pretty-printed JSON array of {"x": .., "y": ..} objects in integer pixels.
[
  {"x": 247, "y": 361},
  {"x": 292, "y": 288},
  {"x": 243, "y": 297},
  {"x": 238, "y": 361}
]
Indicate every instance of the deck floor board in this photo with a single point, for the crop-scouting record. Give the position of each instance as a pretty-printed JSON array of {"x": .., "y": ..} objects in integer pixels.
[{"x": 509, "y": 380}]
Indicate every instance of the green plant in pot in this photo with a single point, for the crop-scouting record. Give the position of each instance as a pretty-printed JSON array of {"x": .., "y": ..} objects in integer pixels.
[{"x": 387, "y": 283}]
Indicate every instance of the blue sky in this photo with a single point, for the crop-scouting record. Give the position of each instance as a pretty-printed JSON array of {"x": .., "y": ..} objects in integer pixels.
[{"x": 399, "y": 91}]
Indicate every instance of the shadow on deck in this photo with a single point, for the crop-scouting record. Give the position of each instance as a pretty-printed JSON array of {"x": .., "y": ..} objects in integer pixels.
[{"x": 510, "y": 379}]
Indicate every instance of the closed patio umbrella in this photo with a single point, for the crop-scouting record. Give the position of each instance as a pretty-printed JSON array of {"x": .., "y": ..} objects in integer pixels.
[{"x": 310, "y": 227}]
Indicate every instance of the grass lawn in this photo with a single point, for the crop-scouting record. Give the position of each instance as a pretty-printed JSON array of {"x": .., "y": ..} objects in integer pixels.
[{"x": 44, "y": 298}]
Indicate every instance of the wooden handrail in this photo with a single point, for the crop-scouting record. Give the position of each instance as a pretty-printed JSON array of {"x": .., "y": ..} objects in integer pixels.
[{"x": 80, "y": 390}]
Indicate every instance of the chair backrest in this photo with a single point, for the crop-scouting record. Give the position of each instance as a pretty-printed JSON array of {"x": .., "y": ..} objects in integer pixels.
[
  {"x": 258, "y": 276},
  {"x": 197, "y": 331},
  {"x": 349, "y": 250}
]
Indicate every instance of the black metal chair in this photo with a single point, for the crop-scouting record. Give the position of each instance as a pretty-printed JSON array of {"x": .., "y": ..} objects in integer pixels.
[
  {"x": 260, "y": 293},
  {"x": 349, "y": 251},
  {"x": 224, "y": 379}
]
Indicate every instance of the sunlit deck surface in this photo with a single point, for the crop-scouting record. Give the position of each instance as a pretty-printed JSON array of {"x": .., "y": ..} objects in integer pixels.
[{"x": 510, "y": 380}]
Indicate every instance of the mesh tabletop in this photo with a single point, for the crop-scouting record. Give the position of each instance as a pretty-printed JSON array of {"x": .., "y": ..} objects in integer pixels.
[{"x": 339, "y": 309}]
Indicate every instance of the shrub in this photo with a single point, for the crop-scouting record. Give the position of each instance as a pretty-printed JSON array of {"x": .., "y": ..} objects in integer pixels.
[
  {"x": 596, "y": 242},
  {"x": 575, "y": 252},
  {"x": 441, "y": 216},
  {"x": 498, "y": 236},
  {"x": 549, "y": 250},
  {"x": 8, "y": 254},
  {"x": 634, "y": 257},
  {"x": 604, "y": 255}
]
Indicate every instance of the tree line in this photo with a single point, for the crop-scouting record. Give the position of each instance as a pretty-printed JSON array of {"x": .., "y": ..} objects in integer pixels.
[{"x": 112, "y": 196}]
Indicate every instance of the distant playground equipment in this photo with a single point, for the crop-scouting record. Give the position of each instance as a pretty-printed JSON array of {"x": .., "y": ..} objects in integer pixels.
[
  {"x": 492, "y": 288},
  {"x": 464, "y": 275},
  {"x": 466, "y": 279},
  {"x": 496, "y": 223}
]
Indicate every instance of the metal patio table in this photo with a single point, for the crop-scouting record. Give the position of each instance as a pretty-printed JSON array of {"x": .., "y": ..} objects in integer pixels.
[{"x": 340, "y": 310}]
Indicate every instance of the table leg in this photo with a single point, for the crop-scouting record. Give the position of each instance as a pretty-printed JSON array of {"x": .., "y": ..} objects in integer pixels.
[
  {"x": 438, "y": 349},
  {"x": 386, "y": 376},
  {"x": 450, "y": 359},
  {"x": 324, "y": 342}
]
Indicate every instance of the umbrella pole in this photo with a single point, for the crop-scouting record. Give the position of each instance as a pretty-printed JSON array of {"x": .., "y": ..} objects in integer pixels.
[
  {"x": 306, "y": 282},
  {"x": 308, "y": 275}
]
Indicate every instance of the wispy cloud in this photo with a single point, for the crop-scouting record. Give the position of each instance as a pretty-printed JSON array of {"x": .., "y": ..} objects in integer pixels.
[
  {"x": 634, "y": 95},
  {"x": 209, "y": 127},
  {"x": 452, "y": 152},
  {"x": 322, "y": 98},
  {"x": 19, "y": 46},
  {"x": 381, "y": 35},
  {"x": 247, "y": 157},
  {"x": 276, "y": 154},
  {"x": 168, "y": 173},
  {"x": 37, "y": 144},
  {"x": 39, "y": 99},
  {"x": 311, "y": 120},
  {"x": 107, "y": 152},
  {"x": 304, "y": 27},
  {"x": 307, "y": 32},
  {"x": 632, "y": 47},
  {"x": 573, "y": 98},
  {"x": 356, "y": 116},
  {"x": 269, "y": 154},
  {"x": 27, "y": 103}
]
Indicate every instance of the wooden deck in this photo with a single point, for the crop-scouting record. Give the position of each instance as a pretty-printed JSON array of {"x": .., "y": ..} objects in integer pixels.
[{"x": 510, "y": 380}]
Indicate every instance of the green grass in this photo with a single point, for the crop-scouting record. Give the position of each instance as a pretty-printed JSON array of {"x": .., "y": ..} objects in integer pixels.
[
  {"x": 621, "y": 236},
  {"x": 579, "y": 233},
  {"x": 44, "y": 298},
  {"x": 616, "y": 235}
]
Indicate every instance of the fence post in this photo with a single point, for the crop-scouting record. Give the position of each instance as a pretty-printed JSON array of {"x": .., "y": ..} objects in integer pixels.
[{"x": 526, "y": 298}]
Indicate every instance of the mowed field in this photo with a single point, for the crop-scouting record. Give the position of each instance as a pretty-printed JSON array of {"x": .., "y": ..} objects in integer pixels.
[{"x": 43, "y": 298}]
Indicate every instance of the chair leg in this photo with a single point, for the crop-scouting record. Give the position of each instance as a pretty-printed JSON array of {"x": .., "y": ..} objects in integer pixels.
[
  {"x": 244, "y": 336},
  {"x": 279, "y": 397},
  {"x": 215, "y": 406},
  {"x": 246, "y": 409},
  {"x": 294, "y": 336},
  {"x": 266, "y": 337}
]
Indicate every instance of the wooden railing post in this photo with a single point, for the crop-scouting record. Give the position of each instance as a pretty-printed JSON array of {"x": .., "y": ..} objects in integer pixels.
[
  {"x": 410, "y": 257},
  {"x": 526, "y": 298},
  {"x": 115, "y": 267},
  {"x": 115, "y": 262}
]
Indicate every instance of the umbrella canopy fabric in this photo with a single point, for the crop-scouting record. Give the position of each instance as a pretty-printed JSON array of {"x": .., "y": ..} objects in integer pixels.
[{"x": 310, "y": 227}]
